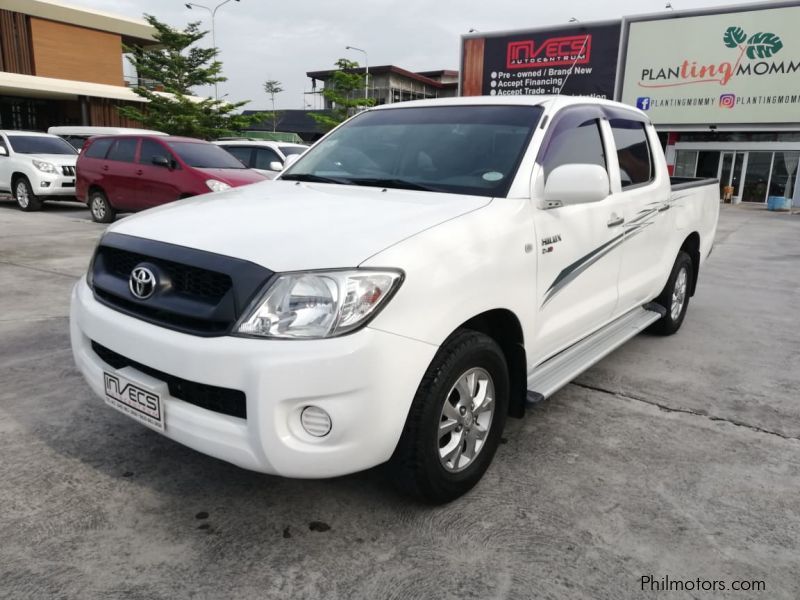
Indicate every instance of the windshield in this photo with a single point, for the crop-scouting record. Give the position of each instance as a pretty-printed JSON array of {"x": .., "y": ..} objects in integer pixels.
[
  {"x": 458, "y": 149},
  {"x": 205, "y": 156},
  {"x": 39, "y": 144},
  {"x": 289, "y": 150}
]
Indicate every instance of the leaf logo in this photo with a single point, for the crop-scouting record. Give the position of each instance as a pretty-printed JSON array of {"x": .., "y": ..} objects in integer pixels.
[{"x": 759, "y": 45}]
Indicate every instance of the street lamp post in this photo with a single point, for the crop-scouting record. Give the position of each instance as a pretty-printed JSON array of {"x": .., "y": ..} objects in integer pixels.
[
  {"x": 366, "y": 70},
  {"x": 190, "y": 6}
]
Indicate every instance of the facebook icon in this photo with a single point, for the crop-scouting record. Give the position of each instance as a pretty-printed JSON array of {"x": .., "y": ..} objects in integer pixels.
[{"x": 643, "y": 103}]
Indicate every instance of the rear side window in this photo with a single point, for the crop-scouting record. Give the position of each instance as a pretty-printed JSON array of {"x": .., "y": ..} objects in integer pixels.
[
  {"x": 123, "y": 149},
  {"x": 574, "y": 142},
  {"x": 151, "y": 149},
  {"x": 99, "y": 147},
  {"x": 633, "y": 152}
]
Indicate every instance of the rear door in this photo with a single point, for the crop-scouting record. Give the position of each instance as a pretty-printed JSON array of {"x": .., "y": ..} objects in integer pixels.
[
  {"x": 120, "y": 181},
  {"x": 644, "y": 194},
  {"x": 157, "y": 184},
  {"x": 577, "y": 245}
]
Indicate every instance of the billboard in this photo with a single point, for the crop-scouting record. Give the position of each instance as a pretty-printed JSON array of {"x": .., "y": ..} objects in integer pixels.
[
  {"x": 734, "y": 67},
  {"x": 575, "y": 60}
]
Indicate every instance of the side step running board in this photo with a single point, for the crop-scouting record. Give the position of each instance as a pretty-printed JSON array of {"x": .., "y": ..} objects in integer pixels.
[{"x": 553, "y": 374}]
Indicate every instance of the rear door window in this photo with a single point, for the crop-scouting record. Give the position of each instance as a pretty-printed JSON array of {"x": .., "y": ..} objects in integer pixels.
[
  {"x": 99, "y": 148},
  {"x": 123, "y": 150},
  {"x": 633, "y": 152}
]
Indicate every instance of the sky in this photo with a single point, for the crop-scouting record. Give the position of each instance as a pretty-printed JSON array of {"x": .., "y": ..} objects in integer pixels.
[{"x": 282, "y": 39}]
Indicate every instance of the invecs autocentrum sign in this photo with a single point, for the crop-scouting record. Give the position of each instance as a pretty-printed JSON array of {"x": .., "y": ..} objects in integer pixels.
[{"x": 739, "y": 67}]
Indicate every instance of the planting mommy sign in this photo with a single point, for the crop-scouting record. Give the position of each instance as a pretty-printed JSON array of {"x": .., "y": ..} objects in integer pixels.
[{"x": 738, "y": 67}]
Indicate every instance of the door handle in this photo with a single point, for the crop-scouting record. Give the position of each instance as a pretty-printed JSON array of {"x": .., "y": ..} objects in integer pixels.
[
  {"x": 616, "y": 221},
  {"x": 105, "y": 167},
  {"x": 139, "y": 171}
]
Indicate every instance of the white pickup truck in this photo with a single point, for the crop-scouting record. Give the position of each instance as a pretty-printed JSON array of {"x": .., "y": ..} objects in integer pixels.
[{"x": 419, "y": 274}]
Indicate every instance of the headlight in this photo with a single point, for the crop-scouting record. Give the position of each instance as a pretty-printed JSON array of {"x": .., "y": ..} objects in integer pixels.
[
  {"x": 217, "y": 186},
  {"x": 319, "y": 304},
  {"x": 44, "y": 167}
]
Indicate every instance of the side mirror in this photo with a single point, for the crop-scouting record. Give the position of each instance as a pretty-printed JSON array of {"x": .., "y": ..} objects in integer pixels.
[
  {"x": 3, "y": 151},
  {"x": 575, "y": 184},
  {"x": 161, "y": 161},
  {"x": 290, "y": 160},
  {"x": 276, "y": 165}
]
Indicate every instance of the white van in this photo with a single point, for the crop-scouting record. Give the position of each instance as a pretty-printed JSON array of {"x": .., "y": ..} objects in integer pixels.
[{"x": 78, "y": 134}]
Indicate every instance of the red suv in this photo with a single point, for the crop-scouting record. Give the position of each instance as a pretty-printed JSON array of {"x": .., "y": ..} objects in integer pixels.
[{"x": 128, "y": 173}]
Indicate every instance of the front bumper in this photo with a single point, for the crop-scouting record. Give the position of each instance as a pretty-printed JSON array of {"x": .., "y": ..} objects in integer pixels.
[
  {"x": 365, "y": 381},
  {"x": 53, "y": 184}
]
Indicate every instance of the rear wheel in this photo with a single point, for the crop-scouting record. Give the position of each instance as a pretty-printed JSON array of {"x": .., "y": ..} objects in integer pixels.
[
  {"x": 675, "y": 296},
  {"x": 101, "y": 209},
  {"x": 455, "y": 422},
  {"x": 23, "y": 194}
]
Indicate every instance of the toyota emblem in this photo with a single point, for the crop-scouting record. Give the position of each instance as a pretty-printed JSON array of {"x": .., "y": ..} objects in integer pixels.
[{"x": 142, "y": 283}]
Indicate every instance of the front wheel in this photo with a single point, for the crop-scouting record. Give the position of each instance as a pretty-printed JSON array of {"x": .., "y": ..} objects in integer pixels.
[
  {"x": 455, "y": 421},
  {"x": 23, "y": 194},
  {"x": 675, "y": 296}
]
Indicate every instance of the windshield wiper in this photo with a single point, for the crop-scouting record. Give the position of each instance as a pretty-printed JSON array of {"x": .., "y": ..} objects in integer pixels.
[
  {"x": 313, "y": 178},
  {"x": 401, "y": 184}
]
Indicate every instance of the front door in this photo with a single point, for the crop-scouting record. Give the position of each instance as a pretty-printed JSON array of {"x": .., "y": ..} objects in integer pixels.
[
  {"x": 157, "y": 183},
  {"x": 577, "y": 245}
]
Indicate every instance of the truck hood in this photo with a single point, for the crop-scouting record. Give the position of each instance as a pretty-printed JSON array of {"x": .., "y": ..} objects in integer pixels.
[
  {"x": 291, "y": 226},
  {"x": 234, "y": 177}
]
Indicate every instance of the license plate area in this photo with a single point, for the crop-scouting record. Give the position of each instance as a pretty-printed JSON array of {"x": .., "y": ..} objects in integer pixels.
[{"x": 137, "y": 395}]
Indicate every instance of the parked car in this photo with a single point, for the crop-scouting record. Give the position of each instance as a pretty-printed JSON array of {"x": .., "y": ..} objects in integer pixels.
[
  {"x": 78, "y": 134},
  {"x": 266, "y": 157},
  {"x": 132, "y": 173},
  {"x": 35, "y": 167},
  {"x": 414, "y": 278}
]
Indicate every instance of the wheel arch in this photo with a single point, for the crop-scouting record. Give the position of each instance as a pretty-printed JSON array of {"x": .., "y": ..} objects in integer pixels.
[
  {"x": 691, "y": 245},
  {"x": 504, "y": 327},
  {"x": 16, "y": 175}
]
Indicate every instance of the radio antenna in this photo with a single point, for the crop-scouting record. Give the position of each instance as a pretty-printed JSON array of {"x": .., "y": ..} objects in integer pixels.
[{"x": 574, "y": 62}]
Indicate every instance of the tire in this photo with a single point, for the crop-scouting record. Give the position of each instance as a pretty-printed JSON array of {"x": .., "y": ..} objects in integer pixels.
[
  {"x": 23, "y": 194},
  {"x": 100, "y": 208},
  {"x": 430, "y": 462},
  {"x": 675, "y": 296}
]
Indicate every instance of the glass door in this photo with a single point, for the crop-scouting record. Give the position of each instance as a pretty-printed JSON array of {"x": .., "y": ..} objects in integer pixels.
[
  {"x": 730, "y": 174},
  {"x": 756, "y": 178}
]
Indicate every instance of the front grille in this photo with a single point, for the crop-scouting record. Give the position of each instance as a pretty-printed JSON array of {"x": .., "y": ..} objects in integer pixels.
[
  {"x": 196, "y": 292},
  {"x": 185, "y": 279},
  {"x": 68, "y": 170},
  {"x": 218, "y": 399}
]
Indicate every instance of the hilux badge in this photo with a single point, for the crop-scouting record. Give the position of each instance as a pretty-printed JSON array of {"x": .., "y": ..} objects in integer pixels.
[{"x": 142, "y": 283}]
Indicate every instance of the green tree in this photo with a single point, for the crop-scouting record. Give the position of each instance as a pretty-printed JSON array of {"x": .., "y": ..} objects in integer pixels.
[
  {"x": 168, "y": 72},
  {"x": 272, "y": 87},
  {"x": 344, "y": 92}
]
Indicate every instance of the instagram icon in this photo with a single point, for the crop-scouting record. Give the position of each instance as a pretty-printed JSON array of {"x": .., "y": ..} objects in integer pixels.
[{"x": 727, "y": 100}]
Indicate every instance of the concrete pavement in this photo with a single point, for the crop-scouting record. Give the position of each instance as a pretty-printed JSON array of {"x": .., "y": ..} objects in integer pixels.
[{"x": 675, "y": 457}]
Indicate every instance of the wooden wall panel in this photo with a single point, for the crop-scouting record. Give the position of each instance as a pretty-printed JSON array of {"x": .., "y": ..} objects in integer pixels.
[
  {"x": 68, "y": 52},
  {"x": 15, "y": 43},
  {"x": 473, "y": 67},
  {"x": 104, "y": 113}
]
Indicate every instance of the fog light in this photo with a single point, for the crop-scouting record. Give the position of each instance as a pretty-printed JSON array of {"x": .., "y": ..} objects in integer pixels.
[
  {"x": 44, "y": 184},
  {"x": 315, "y": 421}
]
